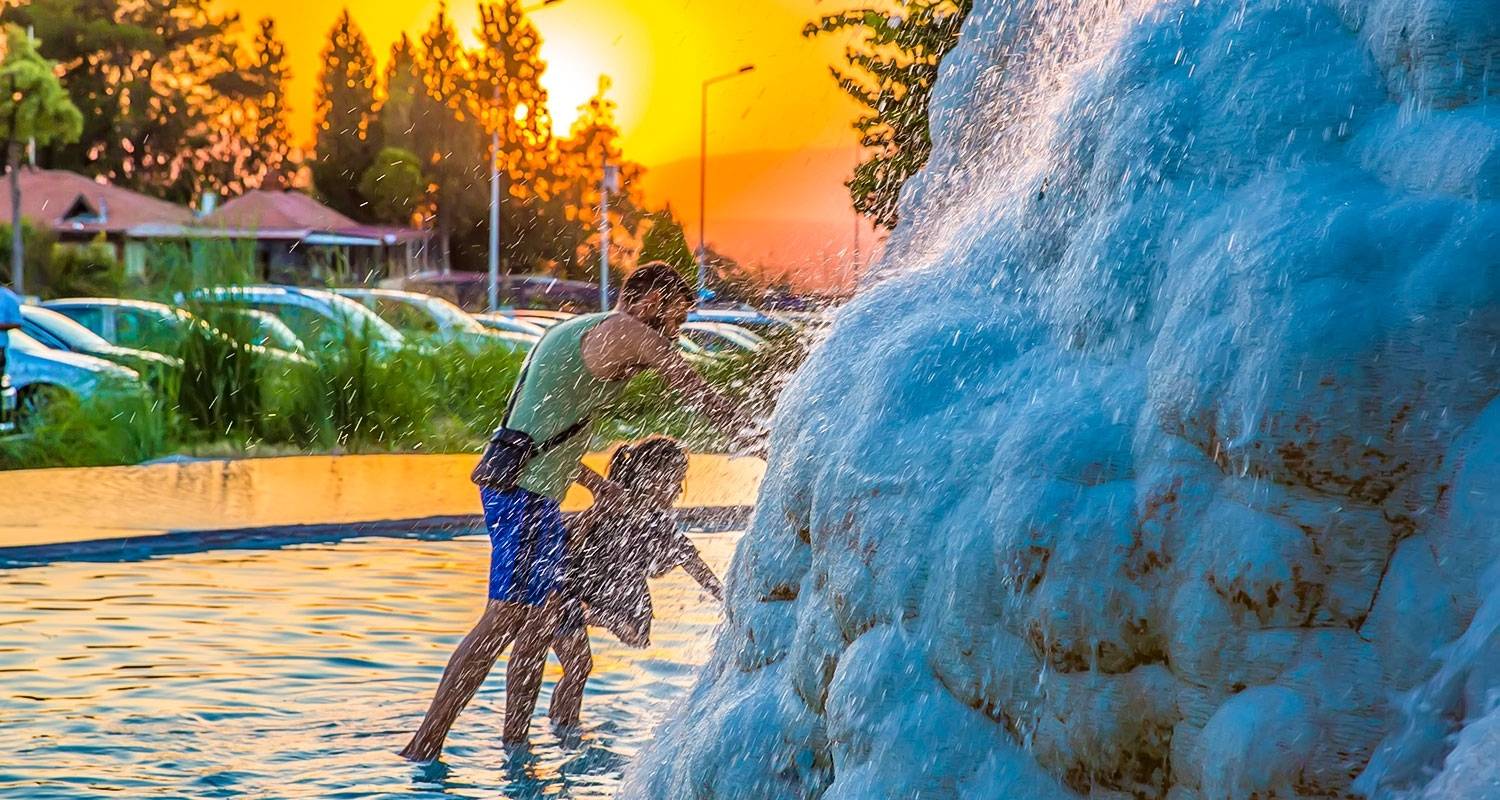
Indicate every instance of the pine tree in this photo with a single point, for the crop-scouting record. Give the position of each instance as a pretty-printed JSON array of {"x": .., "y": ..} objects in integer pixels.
[
  {"x": 403, "y": 83},
  {"x": 444, "y": 135},
  {"x": 348, "y": 134},
  {"x": 393, "y": 186},
  {"x": 154, "y": 82},
  {"x": 269, "y": 142},
  {"x": 891, "y": 69},
  {"x": 508, "y": 99},
  {"x": 665, "y": 240},
  {"x": 593, "y": 142}
]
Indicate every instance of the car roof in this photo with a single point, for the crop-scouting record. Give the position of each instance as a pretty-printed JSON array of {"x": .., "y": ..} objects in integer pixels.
[{"x": 73, "y": 302}]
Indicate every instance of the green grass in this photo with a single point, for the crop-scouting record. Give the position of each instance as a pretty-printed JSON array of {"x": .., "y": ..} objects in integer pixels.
[
  {"x": 352, "y": 398},
  {"x": 117, "y": 426}
]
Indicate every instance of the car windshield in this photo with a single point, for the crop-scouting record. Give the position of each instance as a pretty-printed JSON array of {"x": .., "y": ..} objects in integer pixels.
[
  {"x": 357, "y": 317},
  {"x": 65, "y": 330},
  {"x": 270, "y": 331},
  {"x": 426, "y": 315}
]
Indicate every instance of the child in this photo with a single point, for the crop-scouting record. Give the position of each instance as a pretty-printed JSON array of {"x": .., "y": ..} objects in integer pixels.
[{"x": 613, "y": 548}]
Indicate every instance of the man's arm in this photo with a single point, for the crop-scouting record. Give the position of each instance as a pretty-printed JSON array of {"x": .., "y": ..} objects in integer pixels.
[{"x": 655, "y": 351}]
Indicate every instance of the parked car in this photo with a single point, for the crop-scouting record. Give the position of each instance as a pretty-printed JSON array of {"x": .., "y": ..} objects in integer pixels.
[
  {"x": 751, "y": 319},
  {"x": 60, "y": 332},
  {"x": 539, "y": 316},
  {"x": 721, "y": 338},
  {"x": 318, "y": 318},
  {"x": 501, "y": 321},
  {"x": 144, "y": 325},
  {"x": 7, "y": 403},
  {"x": 422, "y": 316},
  {"x": 268, "y": 331},
  {"x": 42, "y": 375}
]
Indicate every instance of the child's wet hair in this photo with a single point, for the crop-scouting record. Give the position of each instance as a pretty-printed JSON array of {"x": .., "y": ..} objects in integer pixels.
[{"x": 634, "y": 464}]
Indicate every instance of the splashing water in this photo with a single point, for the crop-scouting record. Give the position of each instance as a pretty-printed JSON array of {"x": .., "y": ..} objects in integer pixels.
[{"x": 1158, "y": 457}]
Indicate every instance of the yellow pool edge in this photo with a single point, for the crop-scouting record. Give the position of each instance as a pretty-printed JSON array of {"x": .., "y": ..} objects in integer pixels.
[{"x": 57, "y": 506}]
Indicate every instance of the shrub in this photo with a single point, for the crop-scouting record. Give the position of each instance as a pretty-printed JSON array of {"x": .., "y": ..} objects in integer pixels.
[
  {"x": 117, "y": 425},
  {"x": 83, "y": 270}
]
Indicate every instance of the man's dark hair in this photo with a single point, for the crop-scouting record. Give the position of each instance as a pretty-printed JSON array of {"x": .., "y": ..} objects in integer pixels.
[{"x": 653, "y": 277}]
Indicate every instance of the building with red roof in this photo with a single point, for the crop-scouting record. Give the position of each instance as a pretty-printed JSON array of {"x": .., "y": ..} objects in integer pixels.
[{"x": 297, "y": 239}]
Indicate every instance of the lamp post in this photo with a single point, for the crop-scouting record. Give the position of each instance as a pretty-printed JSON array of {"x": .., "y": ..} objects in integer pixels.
[
  {"x": 703, "y": 177},
  {"x": 611, "y": 183},
  {"x": 494, "y": 276}
]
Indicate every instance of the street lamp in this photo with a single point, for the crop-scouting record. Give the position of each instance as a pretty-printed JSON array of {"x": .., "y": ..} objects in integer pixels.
[
  {"x": 703, "y": 177},
  {"x": 494, "y": 277}
]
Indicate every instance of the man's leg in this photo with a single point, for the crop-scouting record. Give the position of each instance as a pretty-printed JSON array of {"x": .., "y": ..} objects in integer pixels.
[
  {"x": 523, "y": 675},
  {"x": 466, "y": 671},
  {"x": 572, "y": 648}
]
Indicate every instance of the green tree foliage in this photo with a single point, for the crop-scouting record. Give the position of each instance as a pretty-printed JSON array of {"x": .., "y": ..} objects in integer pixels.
[
  {"x": 508, "y": 99},
  {"x": 402, "y": 84},
  {"x": 155, "y": 82},
  {"x": 392, "y": 187},
  {"x": 33, "y": 108},
  {"x": 33, "y": 104},
  {"x": 252, "y": 150},
  {"x": 348, "y": 136},
  {"x": 890, "y": 69},
  {"x": 443, "y": 134},
  {"x": 664, "y": 240},
  {"x": 87, "y": 270}
]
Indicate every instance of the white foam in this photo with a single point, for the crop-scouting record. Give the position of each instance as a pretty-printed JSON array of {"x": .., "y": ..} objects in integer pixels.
[{"x": 1160, "y": 458}]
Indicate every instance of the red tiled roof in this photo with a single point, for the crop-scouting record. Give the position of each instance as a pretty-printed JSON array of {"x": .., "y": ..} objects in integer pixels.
[
  {"x": 266, "y": 210},
  {"x": 48, "y": 195}
]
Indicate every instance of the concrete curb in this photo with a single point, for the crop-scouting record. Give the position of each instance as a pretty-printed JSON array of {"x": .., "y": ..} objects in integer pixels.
[{"x": 132, "y": 548}]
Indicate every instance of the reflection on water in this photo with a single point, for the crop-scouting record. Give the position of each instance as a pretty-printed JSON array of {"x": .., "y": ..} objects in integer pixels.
[{"x": 297, "y": 673}]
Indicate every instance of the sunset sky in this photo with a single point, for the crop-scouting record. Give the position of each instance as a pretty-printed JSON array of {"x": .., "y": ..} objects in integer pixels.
[{"x": 780, "y": 141}]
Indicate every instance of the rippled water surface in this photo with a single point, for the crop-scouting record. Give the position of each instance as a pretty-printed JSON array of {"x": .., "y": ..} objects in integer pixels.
[{"x": 297, "y": 672}]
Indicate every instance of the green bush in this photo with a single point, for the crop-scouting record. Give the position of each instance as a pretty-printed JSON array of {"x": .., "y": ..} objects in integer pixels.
[
  {"x": 115, "y": 426},
  {"x": 37, "y": 244},
  {"x": 83, "y": 270},
  {"x": 182, "y": 266}
]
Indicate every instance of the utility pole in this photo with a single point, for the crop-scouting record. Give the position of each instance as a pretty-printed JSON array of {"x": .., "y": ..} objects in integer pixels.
[
  {"x": 495, "y": 278},
  {"x": 610, "y": 183},
  {"x": 703, "y": 177}
]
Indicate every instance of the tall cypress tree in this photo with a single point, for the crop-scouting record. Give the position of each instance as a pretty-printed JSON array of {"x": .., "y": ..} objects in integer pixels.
[
  {"x": 892, "y": 66},
  {"x": 269, "y": 143},
  {"x": 593, "y": 142},
  {"x": 508, "y": 99},
  {"x": 403, "y": 83},
  {"x": 444, "y": 135},
  {"x": 348, "y": 135}
]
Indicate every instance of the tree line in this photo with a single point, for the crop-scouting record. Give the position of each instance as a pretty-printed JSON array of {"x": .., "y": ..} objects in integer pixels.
[{"x": 178, "y": 100}]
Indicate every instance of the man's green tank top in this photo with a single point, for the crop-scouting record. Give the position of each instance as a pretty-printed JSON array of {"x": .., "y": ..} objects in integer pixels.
[{"x": 556, "y": 391}]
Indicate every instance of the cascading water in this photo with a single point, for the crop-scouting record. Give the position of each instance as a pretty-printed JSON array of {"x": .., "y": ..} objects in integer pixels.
[{"x": 1160, "y": 457}]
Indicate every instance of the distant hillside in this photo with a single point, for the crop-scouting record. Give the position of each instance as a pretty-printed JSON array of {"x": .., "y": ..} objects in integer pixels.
[{"x": 787, "y": 212}]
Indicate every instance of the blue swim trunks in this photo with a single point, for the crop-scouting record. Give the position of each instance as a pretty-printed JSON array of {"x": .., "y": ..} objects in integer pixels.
[{"x": 528, "y": 544}]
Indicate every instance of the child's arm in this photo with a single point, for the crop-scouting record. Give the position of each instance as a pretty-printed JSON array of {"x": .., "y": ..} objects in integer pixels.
[{"x": 698, "y": 568}]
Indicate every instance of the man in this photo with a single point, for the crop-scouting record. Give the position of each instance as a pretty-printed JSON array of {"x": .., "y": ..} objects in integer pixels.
[{"x": 577, "y": 370}]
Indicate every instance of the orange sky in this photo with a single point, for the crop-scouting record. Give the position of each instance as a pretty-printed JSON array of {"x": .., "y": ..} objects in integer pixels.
[{"x": 657, "y": 52}]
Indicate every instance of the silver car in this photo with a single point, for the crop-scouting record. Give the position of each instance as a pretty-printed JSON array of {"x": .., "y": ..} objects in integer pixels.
[{"x": 42, "y": 375}]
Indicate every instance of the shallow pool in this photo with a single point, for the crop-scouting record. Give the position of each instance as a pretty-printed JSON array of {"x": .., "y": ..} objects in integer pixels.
[{"x": 297, "y": 672}]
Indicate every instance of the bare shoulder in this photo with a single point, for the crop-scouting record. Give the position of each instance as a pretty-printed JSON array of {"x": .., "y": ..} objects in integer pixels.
[{"x": 619, "y": 340}]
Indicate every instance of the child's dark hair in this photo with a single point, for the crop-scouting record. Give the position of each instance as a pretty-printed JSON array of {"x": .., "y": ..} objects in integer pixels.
[{"x": 634, "y": 464}]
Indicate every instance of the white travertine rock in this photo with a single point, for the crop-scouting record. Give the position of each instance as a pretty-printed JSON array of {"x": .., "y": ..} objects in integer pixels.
[{"x": 1160, "y": 456}]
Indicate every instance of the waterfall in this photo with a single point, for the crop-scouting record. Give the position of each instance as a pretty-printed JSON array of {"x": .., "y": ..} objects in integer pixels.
[{"x": 1158, "y": 457}]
